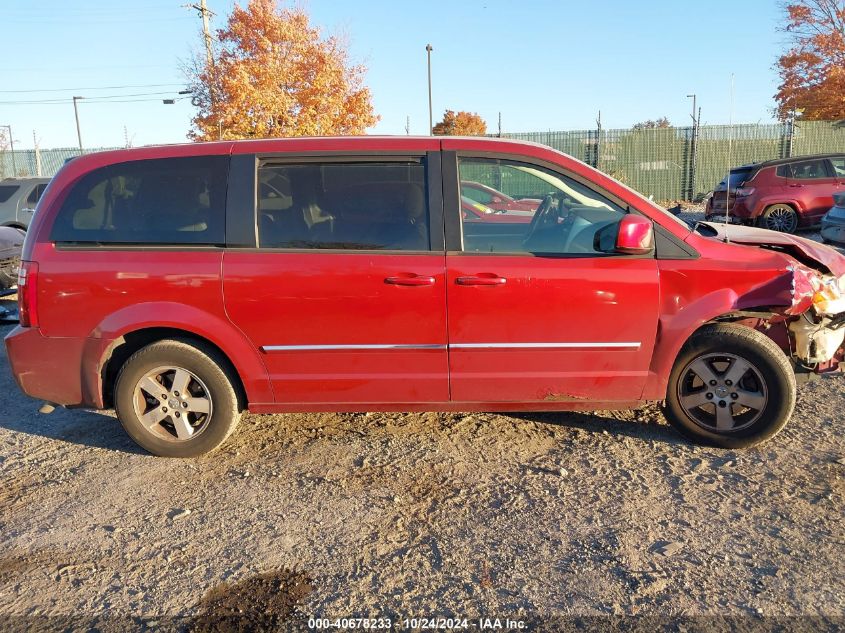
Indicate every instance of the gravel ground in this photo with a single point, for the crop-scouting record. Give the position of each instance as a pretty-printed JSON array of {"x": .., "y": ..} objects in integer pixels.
[{"x": 529, "y": 517}]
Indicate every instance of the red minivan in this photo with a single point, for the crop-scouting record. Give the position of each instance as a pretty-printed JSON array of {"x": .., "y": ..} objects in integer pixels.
[{"x": 184, "y": 284}]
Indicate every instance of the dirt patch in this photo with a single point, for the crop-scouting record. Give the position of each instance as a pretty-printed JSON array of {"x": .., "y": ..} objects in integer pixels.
[{"x": 264, "y": 602}]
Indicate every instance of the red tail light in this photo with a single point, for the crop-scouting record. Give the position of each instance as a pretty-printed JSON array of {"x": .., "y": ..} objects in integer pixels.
[
  {"x": 744, "y": 191},
  {"x": 28, "y": 294}
]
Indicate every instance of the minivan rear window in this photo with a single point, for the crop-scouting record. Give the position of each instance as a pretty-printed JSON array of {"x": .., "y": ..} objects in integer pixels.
[
  {"x": 7, "y": 191},
  {"x": 160, "y": 201}
]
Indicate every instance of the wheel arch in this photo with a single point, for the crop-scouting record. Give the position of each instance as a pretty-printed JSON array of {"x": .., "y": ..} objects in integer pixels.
[
  {"x": 721, "y": 306},
  {"x": 765, "y": 203},
  {"x": 127, "y": 330},
  {"x": 122, "y": 348}
]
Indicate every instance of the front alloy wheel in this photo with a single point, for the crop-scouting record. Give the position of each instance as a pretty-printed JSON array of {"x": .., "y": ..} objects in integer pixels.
[
  {"x": 722, "y": 392},
  {"x": 731, "y": 386}
]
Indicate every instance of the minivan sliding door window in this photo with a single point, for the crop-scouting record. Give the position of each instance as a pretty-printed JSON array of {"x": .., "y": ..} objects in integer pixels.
[{"x": 367, "y": 206}]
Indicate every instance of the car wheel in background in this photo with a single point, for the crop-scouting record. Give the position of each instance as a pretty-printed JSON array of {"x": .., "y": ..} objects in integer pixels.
[
  {"x": 731, "y": 387},
  {"x": 175, "y": 399},
  {"x": 779, "y": 217}
]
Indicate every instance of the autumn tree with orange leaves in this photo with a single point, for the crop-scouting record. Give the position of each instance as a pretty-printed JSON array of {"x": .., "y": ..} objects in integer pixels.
[
  {"x": 812, "y": 72},
  {"x": 273, "y": 75},
  {"x": 460, "y": 124}
]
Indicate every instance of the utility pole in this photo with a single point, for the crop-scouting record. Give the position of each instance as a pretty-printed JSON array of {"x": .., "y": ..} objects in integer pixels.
[
  {"x": 407, "y": 125},
  {"x": 693, "y": 148},
  {"x": 205, "y": 13},
  {"x": 12, "y": 149},
  {"x": 37, "y": 154},
  {"x": 598, "y": 141},
  {"x": 428, "y": 50},
  {"x": 500, "y": 125},
  {"x": 76, "y": 114}
]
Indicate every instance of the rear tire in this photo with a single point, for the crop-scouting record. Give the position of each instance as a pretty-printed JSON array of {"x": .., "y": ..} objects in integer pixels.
[
  {"x": 731, "y": 387},
  {"x": 779, "y": 217},
  {"x": 175, "y": 399}
]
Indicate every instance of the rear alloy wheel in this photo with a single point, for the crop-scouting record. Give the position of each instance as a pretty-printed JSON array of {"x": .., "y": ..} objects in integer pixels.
[
  {"x": 175, "y": 399},
  {"x": 779, "y": 217},
  {"x": 731, "y": 386}
]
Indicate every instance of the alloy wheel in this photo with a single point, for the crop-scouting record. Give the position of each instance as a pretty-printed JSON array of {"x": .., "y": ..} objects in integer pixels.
[
  {"x": 172, "y": 403},
  {"x": 722, "y": 393},
  {"x": 781, "y": 218}
]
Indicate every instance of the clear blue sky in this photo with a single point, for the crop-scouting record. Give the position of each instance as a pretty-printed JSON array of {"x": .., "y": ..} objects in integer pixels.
[{"x": 543, "y": 64}]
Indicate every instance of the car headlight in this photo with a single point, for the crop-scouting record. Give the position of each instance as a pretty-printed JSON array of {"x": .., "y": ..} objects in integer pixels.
[{"x": 828, "y": 298}]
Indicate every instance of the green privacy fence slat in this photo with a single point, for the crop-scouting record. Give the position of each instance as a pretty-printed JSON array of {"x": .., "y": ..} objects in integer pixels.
[
  {"x": 659, "y": 162},
  {"x": 25, "y": 163}
]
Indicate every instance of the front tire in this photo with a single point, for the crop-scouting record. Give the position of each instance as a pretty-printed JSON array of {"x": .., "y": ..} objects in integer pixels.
[
  {"x": 731, "y": 387},
  {"x": 175, "y": 399}
]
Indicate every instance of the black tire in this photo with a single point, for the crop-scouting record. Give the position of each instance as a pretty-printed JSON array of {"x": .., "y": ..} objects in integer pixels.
[
  {"x": 208, "y": 385},
  {"x": 779, "y": 217},
  {"x": 6, "y": 280},
  {"x": 769, "y": 382}
]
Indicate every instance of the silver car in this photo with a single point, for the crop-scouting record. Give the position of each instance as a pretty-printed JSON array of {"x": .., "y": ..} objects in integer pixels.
[
  {"x": 833, "y": 223},
  {"x": 11, "y": 242},
  {"x": 18, "y": 197}
]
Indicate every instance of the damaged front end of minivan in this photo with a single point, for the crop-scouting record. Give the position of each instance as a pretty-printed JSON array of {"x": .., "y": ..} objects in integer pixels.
[
  {"x": 813, "y": 281},
  {"x": 818, "y": 331}
]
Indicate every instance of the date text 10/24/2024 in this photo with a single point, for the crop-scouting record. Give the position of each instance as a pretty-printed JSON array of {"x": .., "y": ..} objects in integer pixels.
[{"x": 481, "y": 624}]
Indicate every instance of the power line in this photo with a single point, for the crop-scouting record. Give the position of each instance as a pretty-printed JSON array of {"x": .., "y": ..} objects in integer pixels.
[
  {"x": 91, "y": 88},
  {"x": 93, "y": 99}
]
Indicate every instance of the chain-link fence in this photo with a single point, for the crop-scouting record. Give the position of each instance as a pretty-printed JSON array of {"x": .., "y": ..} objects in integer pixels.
[
  {"x": 677, "y": 163},
  {"x": 684, "y": 163},
  {"x": 40, "y": 162}
]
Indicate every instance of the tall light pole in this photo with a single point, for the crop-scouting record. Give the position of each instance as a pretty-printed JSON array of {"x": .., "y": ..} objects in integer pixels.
[
  {"x": 428, "y": 50},
  {"x": 12, "y": 149},
  {"x": 76, "y": 114}
]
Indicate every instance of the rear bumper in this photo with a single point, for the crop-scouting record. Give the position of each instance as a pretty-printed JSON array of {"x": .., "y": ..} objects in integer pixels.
[
  {"x": 738, "y": 211},
  {"x": 48, "y": 368}
]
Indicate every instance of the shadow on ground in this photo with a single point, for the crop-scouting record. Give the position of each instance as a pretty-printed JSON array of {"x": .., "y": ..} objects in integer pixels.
[{"x": 597, "y": 423}]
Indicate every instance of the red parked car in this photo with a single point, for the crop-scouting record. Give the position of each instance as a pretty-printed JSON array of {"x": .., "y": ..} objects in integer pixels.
[
  {"x": 476, "y": 212},
  {"x": 497, "y": 200},
  {"x": 781, "y": 195},
  {"x": 185, "y": 284}
]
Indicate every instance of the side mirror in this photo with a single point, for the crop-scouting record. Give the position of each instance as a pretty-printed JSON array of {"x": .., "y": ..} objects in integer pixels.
[{"x": 635, "y": 235}]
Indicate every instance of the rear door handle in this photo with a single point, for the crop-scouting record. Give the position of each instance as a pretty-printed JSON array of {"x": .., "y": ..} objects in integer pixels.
[
  {"x": 483, "y": 279},
  {"x": 410, "y": 279},
  {"x": 796, "y": 185}
]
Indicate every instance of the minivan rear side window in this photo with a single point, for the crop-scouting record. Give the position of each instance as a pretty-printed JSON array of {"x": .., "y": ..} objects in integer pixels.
[
  {"x": 351, "y": 205},
  {"x": 161, "y": 201}
]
